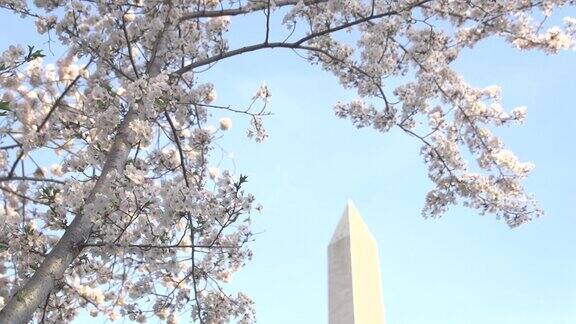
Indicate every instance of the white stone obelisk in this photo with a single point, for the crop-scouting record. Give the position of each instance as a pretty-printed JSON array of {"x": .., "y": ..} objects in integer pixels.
[{"x": 354, "y": 288}]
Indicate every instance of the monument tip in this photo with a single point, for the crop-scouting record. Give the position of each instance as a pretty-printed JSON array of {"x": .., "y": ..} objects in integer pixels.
[
  {"x": 350, "y": 218},
  {"x": 354, "y": 289}
]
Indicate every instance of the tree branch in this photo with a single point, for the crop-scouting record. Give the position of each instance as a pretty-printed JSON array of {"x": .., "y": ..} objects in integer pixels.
[
  {"x": 244, "y": 9},
  {"x": 293, "y": 45}
]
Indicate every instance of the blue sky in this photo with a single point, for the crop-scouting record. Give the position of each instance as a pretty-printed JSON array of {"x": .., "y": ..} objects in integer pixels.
[{"x": 461, "y": 269}]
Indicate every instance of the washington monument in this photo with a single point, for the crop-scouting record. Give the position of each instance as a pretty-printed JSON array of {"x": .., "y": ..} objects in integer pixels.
[{"x": 354, "y": 289}]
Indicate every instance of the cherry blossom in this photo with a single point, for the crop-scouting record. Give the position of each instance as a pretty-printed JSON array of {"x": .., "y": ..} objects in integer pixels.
[{"x": 134, "y": 218}]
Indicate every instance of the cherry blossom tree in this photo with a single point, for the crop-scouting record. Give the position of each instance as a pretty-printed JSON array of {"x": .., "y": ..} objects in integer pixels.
[{"x": 130, "y": 219}]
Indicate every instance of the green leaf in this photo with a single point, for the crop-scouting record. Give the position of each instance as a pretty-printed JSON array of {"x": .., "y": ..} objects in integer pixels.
[
  {"x": 33, "y": 54},
  {"x": 38, "y": 54},
  {"x": 161, "y": 103},
  {"x": 243, "y": 179},
  {"x": 4, "y": 108},
  {"x": 48, "y": 193}
]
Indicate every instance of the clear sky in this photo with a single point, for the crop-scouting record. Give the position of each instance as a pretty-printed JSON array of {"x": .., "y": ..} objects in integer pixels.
[{"x": 461, "y": 269}]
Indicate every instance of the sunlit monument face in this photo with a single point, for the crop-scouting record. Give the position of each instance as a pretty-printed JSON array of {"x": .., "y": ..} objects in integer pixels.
[{"x": 354, "y": 290}]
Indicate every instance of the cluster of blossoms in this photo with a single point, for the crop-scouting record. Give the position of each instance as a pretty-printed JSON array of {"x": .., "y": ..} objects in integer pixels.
[
  {"x": 133, "y": 220},
  {"x": 448, "y": 116}
]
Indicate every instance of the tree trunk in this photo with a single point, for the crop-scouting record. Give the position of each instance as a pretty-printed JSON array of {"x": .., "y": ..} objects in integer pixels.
[{"x": 27, "y": 299}]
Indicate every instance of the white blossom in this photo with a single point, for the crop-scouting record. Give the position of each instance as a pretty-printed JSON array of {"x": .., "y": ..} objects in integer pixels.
[
  {"x": 225, "y": 123},
  {"x": 56, "y": 170},
  {"x": 213, "y": 172},
  {"x": 127, "y": 112}
]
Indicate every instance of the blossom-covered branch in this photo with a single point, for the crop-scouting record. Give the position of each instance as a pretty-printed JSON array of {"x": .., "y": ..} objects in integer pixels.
[{"x": 134, "y": 217}]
